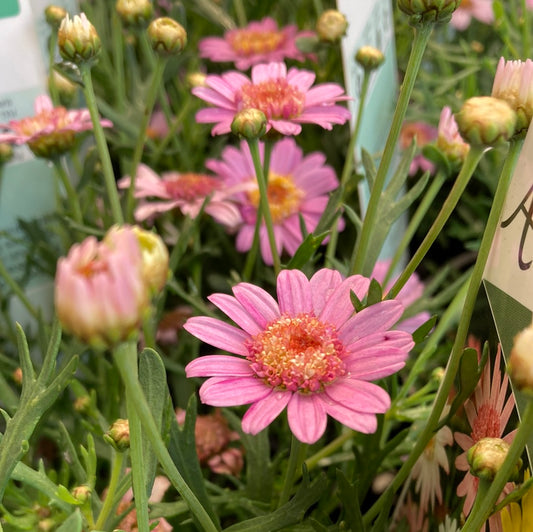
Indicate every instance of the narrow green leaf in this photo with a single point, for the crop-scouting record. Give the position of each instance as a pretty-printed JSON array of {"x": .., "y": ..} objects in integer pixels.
[
  {"x": 375, "y": 293},
  {"x": 402, "y": 172},
  {"x": 369, "y": 166},
  {"x": 306, "y": 250},
  {"x": 422, "y": 332},
  {"x": 356, "y": 302},
  {"x": 349, "y": 497},
  {"x": 73, "y": 523}
]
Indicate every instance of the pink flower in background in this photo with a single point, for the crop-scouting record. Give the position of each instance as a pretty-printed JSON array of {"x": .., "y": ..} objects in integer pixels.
[
  {"x": 158, "y": 126},
  {"x": 423, "y": 133},
  {"x": 186, "y": 192},
  {"x": 298, "y": 185},
  {"x": 287, "y": 98},
  {"x": 51, "y": 131},
  {"x": 259, "y": 42},
  {"x": 409, "y": 294},
  {"x": 449, "y": 140},
  {"x": 488, "y": 411},
  {"x": 529, "y": 4},
  {"x": 308, "y": 351},
  {"x": 469, "y": 9}
]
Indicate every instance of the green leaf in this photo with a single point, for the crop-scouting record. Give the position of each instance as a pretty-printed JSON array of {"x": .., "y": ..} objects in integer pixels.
[
  {"x": 369, "y": 166},
  {"x": 421, "y": 333},
  {"x": 349, "y": 497},
  {"x": 394, "y": 186},
  {"x": 306, "y": 250},
  {"x": 375, "y": 293},
  {"x": 356, "y": 302},
  {"x": 65, "y": 495},
  {"x": 436, "y": 156},
  {"x": 73, "y": 523}
]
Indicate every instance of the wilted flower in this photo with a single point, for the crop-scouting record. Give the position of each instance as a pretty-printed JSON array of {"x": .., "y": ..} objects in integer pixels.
[
  {"x": 51, "y": 132},
  {"x": 422, "y": 11},
  {"x": 78, "y": 40},
  {"x": 423, "y": 133},
  {"x": 449, "y": 140},
  {"x": 298, "y": 185},
  {"x": 167, "y": 36},
  {"x": 514, "y": 84},
  {"x": 187, "y": 192},
  {"x": 287, "y": 98},
  {"x": 258, "y": 42},
  {"x": 101, "y": 295},
  {"x": 469, "y": 9},
  {"x": 309, "y": 352},
  {"x": 331, "y": 25},
  {"x": 214, "y": 440}
]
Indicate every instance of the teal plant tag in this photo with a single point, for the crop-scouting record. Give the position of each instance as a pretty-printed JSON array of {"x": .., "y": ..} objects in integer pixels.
[{"x": 9, "y": 8}]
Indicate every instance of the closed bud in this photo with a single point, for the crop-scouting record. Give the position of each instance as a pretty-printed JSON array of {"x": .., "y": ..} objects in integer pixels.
[
  {"x": 6, "y": 152},
  {"x": 81, "y": 493},
  {"x": 331, "y": 25},
  {"x": 78, "y": 40},
  {"x": 196, "y": 79},
  {"x": 249, "y": 123},
  {"x": 487, "y": 456},
  {"x": 54, "y": 15},
  {"x": 17, "y": 376},
  {"x": 486, "y": 121},
  {"x": 118, "y": 435},
  {"x": 369, "y": 57},
  {"x": 135, "y": 12},
  {"x": 423, "y": 11},
  {"x": 521, "y": 361},
  {"x": 64, "y": 87},
  {"x": 167, "y": 36}
]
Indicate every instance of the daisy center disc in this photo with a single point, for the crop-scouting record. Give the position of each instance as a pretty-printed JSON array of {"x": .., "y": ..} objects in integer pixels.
[
  {"x": 275, "y": 97},
  {"x": 190, "y": 186},
  {"x": 284, "y": 197},
  {"x": 297, "y": 353},
  {"x": 486, "y": 424},
  {"x": 250, "y": 42}
]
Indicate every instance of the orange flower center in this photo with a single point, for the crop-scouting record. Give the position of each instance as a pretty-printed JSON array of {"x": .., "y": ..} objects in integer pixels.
[
  {"x": 275, "y": 97},
  {"x": 284, "y": 197},
  {"x": 92, "y": 267},
  {"x": 487, "y": 423},
  {"x": 250, "y": 42},
  {"x": 190, "y": 186},
  {"x": 297, "y": 353}
]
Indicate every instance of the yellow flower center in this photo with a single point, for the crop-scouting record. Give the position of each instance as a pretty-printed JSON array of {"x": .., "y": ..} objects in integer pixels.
[
  {"x": 250, "y": 42},
  {"x": 284, "y": 197},
  {"x": 297, "y": 353},
  {"x": 275, "y": 97}
]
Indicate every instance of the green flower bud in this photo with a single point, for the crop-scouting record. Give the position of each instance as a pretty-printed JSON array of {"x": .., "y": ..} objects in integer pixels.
[
  {"x": 167, "y": 36},
  {"x": 369, "y": 57},
  {"x": 81, "y": 493},
  {"x": 486, "y": 121},
  {"x": 78, "y": 40},
  {"x": 331, "y": 25},
  {"x": 54, "y": 15},
  {"x": 249, "y": 123},
  {"x": 135, "y": 12},
  {"x": 423, "y": 11},
  {"x": 118, "y": 435},
  {"x": 487, "y": 456}
]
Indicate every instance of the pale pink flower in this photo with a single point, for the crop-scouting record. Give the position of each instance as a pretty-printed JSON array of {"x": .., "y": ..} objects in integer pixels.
[
  {"x": 488, "y": 411},
  {"x": 449, "y": 140},
  {"x": 259, "y": 42},
  {"x": 51, "y": 131},
  {"x": 529, "y": 4},
  {"x": 158, "y": 126},
  {"x": 469, "y": 9},
  {"x": 101, "y": 294},
  {"x": 298, "y": 185},
  {"x": 411, "y": 292},
  {"x": 186, "y": 192},
  {"x": 309, "y": 351},
  {"x": 423, "y": 133},
  {"x": 287, "y": 98}
]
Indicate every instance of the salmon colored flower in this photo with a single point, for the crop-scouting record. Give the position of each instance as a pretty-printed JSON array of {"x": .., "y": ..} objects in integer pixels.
[
  {"x": 288, "y": 99},
  {"x": 186, "y": 192},
  {"x": 423, "y": 133},
  {"x": 258, "y": 42},
  {"x": 51, "y": 131},
  {"x": 298, "y": 186},
  {"x": 468, "y": 9},
  {"x": 309, "y": 352},
  {"x": 488, "y": 411},
  {"x": 101, "y": 295}
]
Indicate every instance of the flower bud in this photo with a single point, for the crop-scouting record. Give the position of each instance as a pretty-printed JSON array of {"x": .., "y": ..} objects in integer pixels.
[
  {"x": 81, "y": 493},
  {"x": 449, "y": 141},
  {"x": 54, "y": 16},
  {"x": 17, "y": 376},
  {"x": 82, "y": 404},
  {"x": 331, "y": 25},
  {"x": 167, "y": 36},
  {"x": 486, "y": 121},
  {"x": 196, "y": 79},
  {"x": 78, "y": 40},
  {"x": 486, "y": 457},
  {"x": 369, "y": 57},
  {"x": 6, "y": 152},
  {"x": 118, "y": 435},
  {"x": 135, "y": 12},
  {"x": 521, "y": 361},
  {"x": 422, "y": 11},
  {"x": 64, "y": 87},
  {"x": 249, "y": 123}
]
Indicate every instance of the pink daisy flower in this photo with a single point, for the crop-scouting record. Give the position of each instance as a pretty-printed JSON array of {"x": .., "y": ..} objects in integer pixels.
[
  {"x": 51, "y": 131},
  {"x": 449, "y": 140},
  {"x": 309, "y": 351},
  {"x": 423, "y": 133},
  {"x": 488, "y": 412},
  {"x": 258, "y": 42},
  {"x": 469, "y": 9},
  {"x": 186, "y": 192},
  {"x": 298, "y": 185},
  {"x": 287, "y": 98}
]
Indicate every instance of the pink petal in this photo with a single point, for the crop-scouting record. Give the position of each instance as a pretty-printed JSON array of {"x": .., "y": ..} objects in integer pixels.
[
  {"x": 218, "y": 334},
  {"x": 234, "y": 310},
  {"x": 218, "y": 366},
  {"x": 264, "y": 411},
  {"x": 360, "y": 396},
  {"x": 376, "y": 364},
  {"x": 307, "y": 417},
  {"x": 293, "y": 292},
  {"x": 261, "y": 306},
  {"x": 221, "y": 391},
  {"x": 322, "y": 285},
  {"x": 361, "y": 422}
]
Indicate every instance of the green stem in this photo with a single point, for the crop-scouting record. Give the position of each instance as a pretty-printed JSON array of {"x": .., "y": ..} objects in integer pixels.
[
  {"x": 101, "y": 145},
  {"x": 469, "y": 165},
  {"x": 262, "y": 182},
  {"x": 484, "y": 502},
  {"x": 72, "y": 197},
  {"x": 138, "y": 400},
  {"x": 329, "y": 449},
  {"x": 296, "y": 459},
  {"x": 107, "y": 508},
  {"x": 137, "y": 153},
  {"x": 462, "y": 330},
  {"x": 421, "y": 36},
  {"x": 118, "y": 57},
  {"x": 52, "y": 41}
]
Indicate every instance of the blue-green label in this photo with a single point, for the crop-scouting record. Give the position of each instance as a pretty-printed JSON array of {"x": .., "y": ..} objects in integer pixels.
[{"x": 9, "y": 8}]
